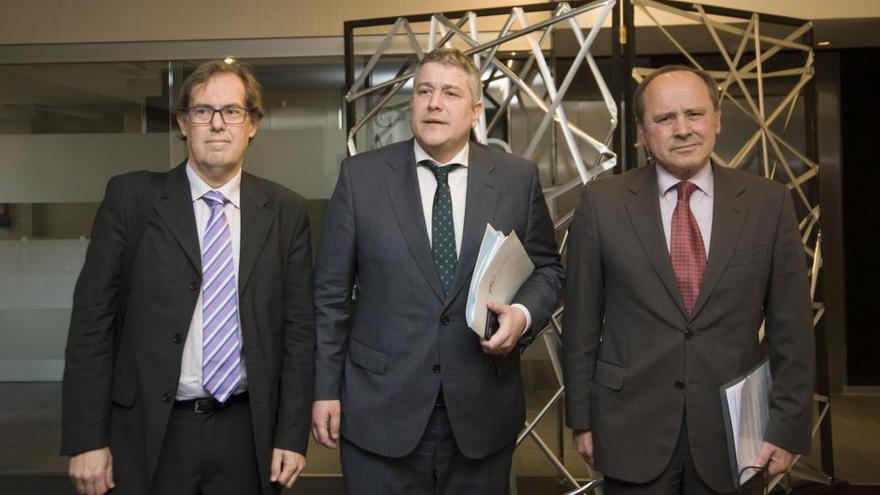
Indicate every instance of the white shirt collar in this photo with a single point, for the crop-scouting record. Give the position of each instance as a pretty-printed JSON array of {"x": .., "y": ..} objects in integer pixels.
[
  {"x": 198, "y": 187},
  {"x": 703, "y": 179},
  {"x": 460, "y": 158}
]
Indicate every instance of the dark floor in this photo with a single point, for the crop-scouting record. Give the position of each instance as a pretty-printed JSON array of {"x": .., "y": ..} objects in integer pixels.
[
  {"x": 30, "y": 432},
  {"x": 58, "y": 485}
]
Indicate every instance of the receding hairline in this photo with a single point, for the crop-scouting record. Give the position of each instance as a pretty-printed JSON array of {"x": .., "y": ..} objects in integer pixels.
[{"x": 708, "y": 83}]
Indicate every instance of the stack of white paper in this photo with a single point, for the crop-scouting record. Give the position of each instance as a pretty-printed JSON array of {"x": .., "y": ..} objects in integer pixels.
[{"x": 502, "y": 267}]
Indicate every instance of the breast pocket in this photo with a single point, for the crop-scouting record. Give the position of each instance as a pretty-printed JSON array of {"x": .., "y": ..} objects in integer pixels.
[{"x": 747, "y": 256}]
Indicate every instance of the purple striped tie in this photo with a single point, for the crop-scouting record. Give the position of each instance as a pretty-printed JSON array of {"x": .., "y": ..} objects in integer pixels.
[{"x": 221, "y": 345}]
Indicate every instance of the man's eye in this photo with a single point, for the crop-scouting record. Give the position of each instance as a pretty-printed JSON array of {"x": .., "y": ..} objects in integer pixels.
[
  {"x": 201, "y": 111},
  {"x": 232, "y": 112}
]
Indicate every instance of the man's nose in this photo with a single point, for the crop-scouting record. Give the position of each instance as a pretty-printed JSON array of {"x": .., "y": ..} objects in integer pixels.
[
  {"x": 217, "y": 121},
  {"x": 436, "y": 100},
  {"x": 682, "y": 126}
]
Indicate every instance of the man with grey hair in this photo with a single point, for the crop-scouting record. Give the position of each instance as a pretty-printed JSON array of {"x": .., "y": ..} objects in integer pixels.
[
  {"x": 419, "y": 403},
  {"x": 189, "y": 363},
  {"x": 672, "y": 268}
]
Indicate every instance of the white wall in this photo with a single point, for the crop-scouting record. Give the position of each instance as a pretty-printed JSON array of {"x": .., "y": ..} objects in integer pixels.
[{"x": 36, "y": 285}]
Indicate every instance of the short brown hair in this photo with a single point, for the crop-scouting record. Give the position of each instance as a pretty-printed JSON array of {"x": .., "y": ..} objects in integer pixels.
[
  {"x": 253, "y": 92},
  {"x": 639, "y": 94},
  {"x": 455, "y": 58}
]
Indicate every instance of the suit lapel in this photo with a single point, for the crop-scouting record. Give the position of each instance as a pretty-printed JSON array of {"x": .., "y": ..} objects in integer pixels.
[
  {"x": 643, "y": 207},
  {"x": 256, "y": 219},
  {"x": 728, "y": 215},
  {"x": 176, "y": 210},
  {"x": 403, "y": 189},
  {"x": 482, "y": 199}
]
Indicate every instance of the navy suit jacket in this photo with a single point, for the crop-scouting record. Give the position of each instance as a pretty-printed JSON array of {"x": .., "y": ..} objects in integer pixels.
[{"x": 387, "y": 352}]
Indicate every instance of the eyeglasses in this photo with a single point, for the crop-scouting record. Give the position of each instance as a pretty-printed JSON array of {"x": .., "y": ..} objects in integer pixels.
[{"x": 202, "y": 114}]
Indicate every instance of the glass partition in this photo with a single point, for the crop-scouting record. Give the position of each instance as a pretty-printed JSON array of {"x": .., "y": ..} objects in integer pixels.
[{"x": 66, "y": 128}]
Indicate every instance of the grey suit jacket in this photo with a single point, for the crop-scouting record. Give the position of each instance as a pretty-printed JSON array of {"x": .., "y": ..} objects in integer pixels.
[
  {"x": 387, "y": 353},
  {"x": 634, "y": 362},
  {"x": 134, "y": 301}
]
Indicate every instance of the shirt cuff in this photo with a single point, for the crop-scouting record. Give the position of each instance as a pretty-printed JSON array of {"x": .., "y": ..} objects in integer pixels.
[{"x": 528, "y": 316}]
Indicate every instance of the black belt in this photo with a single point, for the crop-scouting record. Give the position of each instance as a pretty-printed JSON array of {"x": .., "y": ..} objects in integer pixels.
[{"x": 208, "y": 404}]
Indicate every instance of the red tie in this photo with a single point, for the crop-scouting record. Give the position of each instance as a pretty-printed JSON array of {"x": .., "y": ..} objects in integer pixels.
[{"x": 687, "y": 250}]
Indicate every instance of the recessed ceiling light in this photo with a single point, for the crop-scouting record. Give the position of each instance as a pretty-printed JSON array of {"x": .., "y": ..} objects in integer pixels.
[
  {"x": 229, "y": 60},
  {"x": 823, "y": 43}
]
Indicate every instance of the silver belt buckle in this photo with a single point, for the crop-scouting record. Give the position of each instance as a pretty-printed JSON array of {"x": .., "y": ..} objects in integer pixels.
[{"x": 203, "y": 406}]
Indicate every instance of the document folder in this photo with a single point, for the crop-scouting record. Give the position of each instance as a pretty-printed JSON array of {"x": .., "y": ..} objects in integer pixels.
[{"x": 745, "y": 404}]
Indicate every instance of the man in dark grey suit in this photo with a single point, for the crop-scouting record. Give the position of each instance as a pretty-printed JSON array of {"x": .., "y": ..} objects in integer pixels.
[
  {"x": 190, "y": 358},
  {"x": 672, "y": 268},
  {"x": 425, "y": 406}
]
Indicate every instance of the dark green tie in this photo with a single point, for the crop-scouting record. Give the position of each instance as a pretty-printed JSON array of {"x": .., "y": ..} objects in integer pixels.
[{"x": 442, "y": 225}]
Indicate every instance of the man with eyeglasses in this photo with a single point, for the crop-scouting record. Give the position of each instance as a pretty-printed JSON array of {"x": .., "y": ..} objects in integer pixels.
[{"x": 189, "y": 363}]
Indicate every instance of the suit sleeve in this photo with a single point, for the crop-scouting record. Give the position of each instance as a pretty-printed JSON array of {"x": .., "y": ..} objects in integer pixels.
[
  {"x": 789, "y": 333},
  {"x": 584, "y": 310},
  {"x": 541, "y": 291},
  {"x": 334, "y": 280},
  {"x": 88, "y": 367},
  {"x": 297, "y": 361}
]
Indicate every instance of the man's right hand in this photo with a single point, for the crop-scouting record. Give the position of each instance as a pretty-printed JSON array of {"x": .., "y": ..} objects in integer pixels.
[
  {"x": 92, "y": 471},
  {"x": 326, "y": 415},
  {"x": 583, "y": 443}
]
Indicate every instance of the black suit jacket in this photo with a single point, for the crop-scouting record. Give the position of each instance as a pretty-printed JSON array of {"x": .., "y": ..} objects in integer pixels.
[
  {"x": 634, "y": 362},
  {"x": 387, "y": 353},
  {"x": 134, "y": 301}
]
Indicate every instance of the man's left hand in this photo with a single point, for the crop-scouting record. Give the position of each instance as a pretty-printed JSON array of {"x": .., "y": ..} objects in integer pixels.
[
  {"x": 286, "y": 466},
  {"x": 777, "y": 460},
  {"x": 511, "y": 325}
]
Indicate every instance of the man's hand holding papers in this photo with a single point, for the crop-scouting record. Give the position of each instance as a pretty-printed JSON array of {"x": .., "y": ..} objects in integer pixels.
[
  {"x": 501, "y": 268},
  {"x": 511, "y": 325}
]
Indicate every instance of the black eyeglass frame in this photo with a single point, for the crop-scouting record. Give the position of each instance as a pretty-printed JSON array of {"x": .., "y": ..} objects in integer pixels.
[{"x": 189, "y": 114}]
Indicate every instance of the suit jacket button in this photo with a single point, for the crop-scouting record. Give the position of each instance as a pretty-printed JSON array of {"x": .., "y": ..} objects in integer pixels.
[
  {"x": 679, "y": 384},
  {"x": 195, "y": 286},
  {"x": 166, "y": 398},
  {"x": 444, "y": 321},
  {"x": 436, "y": 368},
  {"x": 689, "y": 334},
  {"x": 177, "y": 338}
]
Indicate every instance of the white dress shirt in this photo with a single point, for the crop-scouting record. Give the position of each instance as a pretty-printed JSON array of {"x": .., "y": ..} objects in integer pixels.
[
  {"x": 701, "y": 202},
  {"x": 190, "y": 383},
  {"x": 458, "y": 191}
]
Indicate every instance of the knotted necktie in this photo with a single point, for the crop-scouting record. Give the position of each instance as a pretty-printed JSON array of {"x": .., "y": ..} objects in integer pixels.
[
  {"x": 221, "y": 344},
  {"x": 443, "y": 226},
  {"x": 686, "y": 247}
]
